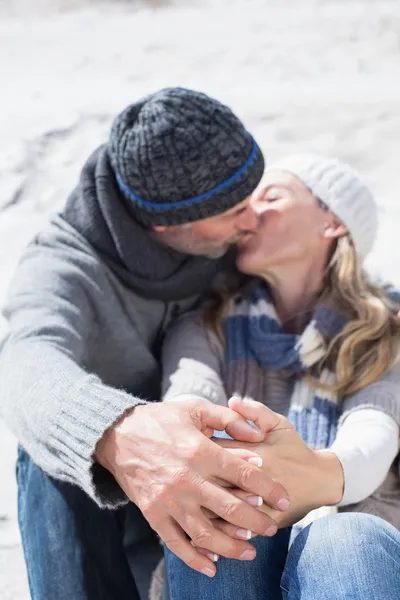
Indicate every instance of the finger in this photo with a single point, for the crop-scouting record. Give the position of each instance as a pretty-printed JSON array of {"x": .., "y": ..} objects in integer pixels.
[
  {"x": 256, "y": 501},
  {"x": 277, "y": 516},
  {"x": 244, "y": 430},
  {"x": 248, "y": 455},
  {"x": 265, "y": 418},
  {"x": 175, "y": 539},
  {"x": 204, "y": 535},
  {"x": 211, "y": 555},
  {"x": 209, "y": 417},
  {"x": 235, "y": 510},
  {"x": 239, "y": 532},
  {"x": 209, "y": 514},
  {"x": 249, "y": 478},
  {"x": 251, "y": 457},
  {"x": 251, "y": 499}
]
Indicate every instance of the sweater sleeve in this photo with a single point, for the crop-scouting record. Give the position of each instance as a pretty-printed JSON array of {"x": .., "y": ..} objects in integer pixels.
[
  {"x": 192, "y": 362},
  {"x": 366, "y": 444},
  {"x": 383, "y": 395},
  {"x": 368, "y": 437},
  {"x": 57, "y": 410}
]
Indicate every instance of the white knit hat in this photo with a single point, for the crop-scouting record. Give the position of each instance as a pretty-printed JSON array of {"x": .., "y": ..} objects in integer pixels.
[{"x": 339, "y": 187}]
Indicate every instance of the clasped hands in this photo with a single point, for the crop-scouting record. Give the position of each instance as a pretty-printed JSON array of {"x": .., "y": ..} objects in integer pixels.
[
  {"x": 311, "y": 479},
  {"x": 203, "y": 496}
]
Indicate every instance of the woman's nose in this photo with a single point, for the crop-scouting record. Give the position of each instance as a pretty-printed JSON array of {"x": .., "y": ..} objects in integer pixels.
[{"x": 248, "y": 220}]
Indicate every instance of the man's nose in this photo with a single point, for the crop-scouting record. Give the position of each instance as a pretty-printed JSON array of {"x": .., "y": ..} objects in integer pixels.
[{"x": 248, "y": 220}]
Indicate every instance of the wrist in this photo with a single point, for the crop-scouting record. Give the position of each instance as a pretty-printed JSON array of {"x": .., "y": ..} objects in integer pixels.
[
  {"x": 107, "y": 447},
  {"x": 330, "y": 478}
]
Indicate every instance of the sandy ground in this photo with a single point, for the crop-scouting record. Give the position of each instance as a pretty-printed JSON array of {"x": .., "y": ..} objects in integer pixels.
[{"x": 321, "y": 76}]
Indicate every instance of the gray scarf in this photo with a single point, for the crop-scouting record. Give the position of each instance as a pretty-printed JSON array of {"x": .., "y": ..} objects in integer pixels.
[{"x": 99, "y": 212}]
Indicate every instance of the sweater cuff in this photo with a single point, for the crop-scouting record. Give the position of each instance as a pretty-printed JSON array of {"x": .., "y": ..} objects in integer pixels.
[
  {"x": 202, "y": 382},
  {"x": 92, "y": 410}
]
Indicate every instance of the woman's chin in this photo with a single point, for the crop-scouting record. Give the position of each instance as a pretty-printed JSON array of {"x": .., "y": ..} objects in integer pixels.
[{"x": 245, "y": 263}]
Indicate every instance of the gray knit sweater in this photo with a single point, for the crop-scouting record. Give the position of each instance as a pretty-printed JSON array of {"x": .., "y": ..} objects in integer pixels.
[{"x": 80, "y": 350}]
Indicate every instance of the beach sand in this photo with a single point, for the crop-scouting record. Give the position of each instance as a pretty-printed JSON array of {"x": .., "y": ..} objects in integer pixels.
[{"x": 312, "y": 75}]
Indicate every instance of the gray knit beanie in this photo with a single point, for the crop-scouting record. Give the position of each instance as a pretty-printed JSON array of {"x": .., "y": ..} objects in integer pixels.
[
  {"x": 341, "y": 189},
  {"x": 180, "y": 156}
]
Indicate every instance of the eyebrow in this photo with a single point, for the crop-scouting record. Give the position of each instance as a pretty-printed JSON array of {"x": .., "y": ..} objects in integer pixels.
[{"x": 277, "y": 185}]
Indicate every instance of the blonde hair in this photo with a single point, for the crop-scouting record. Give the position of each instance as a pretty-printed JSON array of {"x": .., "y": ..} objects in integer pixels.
[{"x": 368, "y": 345}]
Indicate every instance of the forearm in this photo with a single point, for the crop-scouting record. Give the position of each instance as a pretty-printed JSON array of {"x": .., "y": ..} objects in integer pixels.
[
  {"x": 59, "y": 412},
  {"x": 358, "y": 461},
  {"x": 347, "y": 472}
]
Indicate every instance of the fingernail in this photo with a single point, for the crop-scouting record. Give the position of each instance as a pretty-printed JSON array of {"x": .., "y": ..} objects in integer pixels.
[
  {"x": 208, "y": 571},
  {"x": 253, "y": 460},
  {"x": 212, "y": 556},
  {"x": 255, "y": 500},
  {"x": 244, "y": 534},
  {"x": 248, "y": 555},
  {"x": 238, "y": 398},
  {"x": 272, "y": 529},
  {"x": 283, "y": 504}
]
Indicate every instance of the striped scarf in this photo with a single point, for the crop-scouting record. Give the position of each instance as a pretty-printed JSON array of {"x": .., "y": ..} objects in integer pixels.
[
  {"x": 256, "y": 343},
  {"x": 253, "y": 332}
]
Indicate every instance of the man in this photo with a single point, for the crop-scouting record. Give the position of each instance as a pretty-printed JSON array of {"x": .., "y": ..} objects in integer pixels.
[{"x": 140, "y": 240}]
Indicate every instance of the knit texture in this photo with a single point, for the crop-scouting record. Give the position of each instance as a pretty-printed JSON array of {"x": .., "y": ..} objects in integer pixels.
[
  {"x": 100, "y": 213},
  {"x": 341, "y": 189},
  {"x": 80, "y": 349},
  {"x": 180, "y": 156}
]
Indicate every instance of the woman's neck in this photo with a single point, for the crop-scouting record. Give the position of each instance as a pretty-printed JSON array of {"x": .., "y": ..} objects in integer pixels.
[{"x": 295, "y": 292}]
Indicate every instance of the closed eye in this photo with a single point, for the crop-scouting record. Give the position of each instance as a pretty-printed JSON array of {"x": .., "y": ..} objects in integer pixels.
[
  {"x": 271, "y": 197},
  {"x": 240, "y": 211}
]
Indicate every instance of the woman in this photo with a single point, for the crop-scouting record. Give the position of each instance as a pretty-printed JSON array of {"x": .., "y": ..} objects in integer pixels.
[{"x": 312, "y": 339}]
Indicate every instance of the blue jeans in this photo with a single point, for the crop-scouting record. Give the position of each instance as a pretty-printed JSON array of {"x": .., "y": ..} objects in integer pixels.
[
  {"x": 349, "y": 556},
  {"x": 73, "y": 549}
]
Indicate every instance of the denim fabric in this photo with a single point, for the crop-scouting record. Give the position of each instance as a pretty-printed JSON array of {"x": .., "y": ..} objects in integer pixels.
[
  {"x": 235, "y": 580},
  {"x": 73, "y": 549},
  {"x": 349, "y": 556}
]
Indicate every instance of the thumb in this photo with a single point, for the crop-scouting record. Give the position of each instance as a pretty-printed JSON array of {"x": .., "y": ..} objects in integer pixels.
[
  {"x": 209, "y": 417},
  {"x": 265, "y": 418}
]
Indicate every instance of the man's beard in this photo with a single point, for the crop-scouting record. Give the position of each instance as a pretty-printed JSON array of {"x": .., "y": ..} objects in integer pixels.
[{"x": 217, "y": 253}]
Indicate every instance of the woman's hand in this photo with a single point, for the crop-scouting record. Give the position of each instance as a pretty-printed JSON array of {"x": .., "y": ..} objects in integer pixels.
[{"x": 312, "y": 479}]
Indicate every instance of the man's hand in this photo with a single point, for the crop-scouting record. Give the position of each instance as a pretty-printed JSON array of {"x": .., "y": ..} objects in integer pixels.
[
  {"x": 162, "y": 457},
  {"x": 313, "y": 479}
]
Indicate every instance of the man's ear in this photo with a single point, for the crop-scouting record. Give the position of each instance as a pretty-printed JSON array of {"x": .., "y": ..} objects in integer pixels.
[{"x": 334, "y": 228}]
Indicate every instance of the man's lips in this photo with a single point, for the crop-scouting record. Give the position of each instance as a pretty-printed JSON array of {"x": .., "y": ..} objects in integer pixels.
[{"x": 244, "y": 239}]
